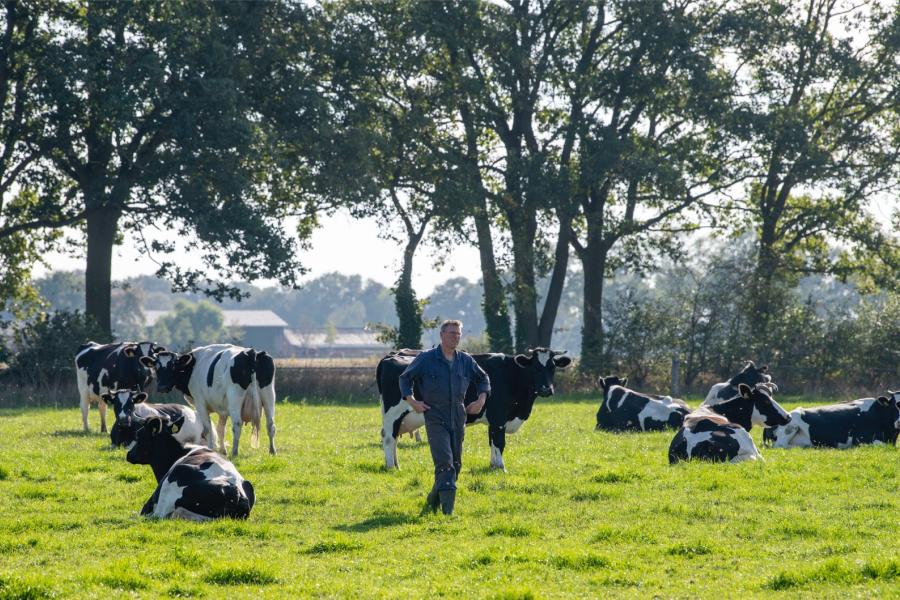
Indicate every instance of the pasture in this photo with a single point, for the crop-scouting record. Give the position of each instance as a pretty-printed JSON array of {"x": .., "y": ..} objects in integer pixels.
[{"x": 579, "y": 514}]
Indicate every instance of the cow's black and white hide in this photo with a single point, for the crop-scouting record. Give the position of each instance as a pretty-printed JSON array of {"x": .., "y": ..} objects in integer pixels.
[
  {"x": 720, "y": 433},
  {"x": 100, "y": 368},
  {"x": 623, "y": 409},
  {"x": 844, "y": 425},
  {"x": 516, "y": 381},
  {"x": 749, "y": 375},
  {"x": 228, "y": 380},
  {"x": 193, "y": 482},
  {"x": 131, "y": 410}
]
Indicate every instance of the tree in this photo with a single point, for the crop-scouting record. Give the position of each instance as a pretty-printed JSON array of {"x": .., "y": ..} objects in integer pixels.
[
  {"x": 151, "y": 117},
  {"x": 190, "y": 325},
  {"x": 818, "y": 109}
]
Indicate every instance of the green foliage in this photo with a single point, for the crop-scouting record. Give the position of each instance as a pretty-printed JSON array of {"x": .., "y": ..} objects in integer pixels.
[
  {"x": 190, "y": 325},
  {"x": 46, "y": 347},
  {"x": 328, "y": 523}
]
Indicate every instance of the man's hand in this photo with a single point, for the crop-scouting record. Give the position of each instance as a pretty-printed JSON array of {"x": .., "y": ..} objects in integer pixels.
[
  {"x": 417, "y": 406},
  {"x": 475, "y": 407}
]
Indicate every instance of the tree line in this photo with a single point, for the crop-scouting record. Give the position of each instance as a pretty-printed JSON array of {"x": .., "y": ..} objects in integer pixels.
[{"x": 536, "y": 130}]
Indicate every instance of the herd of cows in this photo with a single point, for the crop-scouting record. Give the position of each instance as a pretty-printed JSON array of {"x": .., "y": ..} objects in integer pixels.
[{"x": 194, "y": 480}]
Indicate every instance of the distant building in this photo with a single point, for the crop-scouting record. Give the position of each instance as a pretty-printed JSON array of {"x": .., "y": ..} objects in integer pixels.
[
  {"x": 260, "y": 329},
  {"x": 334, "y": 342}
]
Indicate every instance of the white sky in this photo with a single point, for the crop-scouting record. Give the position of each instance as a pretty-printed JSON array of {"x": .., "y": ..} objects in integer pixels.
[{"x": 340, "y": 244}]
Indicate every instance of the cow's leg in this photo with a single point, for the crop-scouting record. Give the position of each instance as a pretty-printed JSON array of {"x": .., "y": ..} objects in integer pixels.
[
  {"x": 416, "y": 434},
  {"x": 235, "y": 401},
  {"x": 221, "y": 421},
  {"x": 267, "y": 395},
  {"x": 497, "y": 440},
  {"x": 208, "y": 433},
  {"x": 102, "y": 406},
  {"x": 85, "y": 405}
]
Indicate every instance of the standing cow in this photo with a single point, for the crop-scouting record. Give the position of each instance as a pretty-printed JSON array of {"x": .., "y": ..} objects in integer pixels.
[
  {"x": 623, "y": 409},
  {"x": 749, "y": 375},
  {"x": 844, "y": 425},
  {"x": 193, "y": 482},
  {"x": 719, "y": 433},
  {"x": 516, "y": 381},
  {"x": 228, "y": 380},
  {"x": 101, "y": 368}
]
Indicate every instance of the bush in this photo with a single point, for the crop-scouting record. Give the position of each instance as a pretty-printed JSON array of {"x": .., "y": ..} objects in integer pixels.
[{"x": 45, "y": 348}]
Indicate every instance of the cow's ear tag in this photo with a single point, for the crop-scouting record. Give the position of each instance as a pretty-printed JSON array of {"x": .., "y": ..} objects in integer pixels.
[{"x": 174, "y": 428}]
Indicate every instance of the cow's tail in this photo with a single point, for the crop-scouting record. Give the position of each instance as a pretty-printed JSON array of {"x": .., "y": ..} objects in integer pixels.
[{"x": 252, "y": 407}]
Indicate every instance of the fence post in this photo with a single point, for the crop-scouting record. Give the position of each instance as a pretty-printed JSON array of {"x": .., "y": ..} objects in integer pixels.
[{"x": 674, "y": 387}]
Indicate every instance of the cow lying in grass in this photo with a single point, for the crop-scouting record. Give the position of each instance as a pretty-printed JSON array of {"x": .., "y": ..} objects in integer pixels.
[
  {"x": 844, "y": 425},
  {"x": 719, "y": 433},
  {"x": 194, "y": 482},
  {"x": 130, "y": 407},
  {"x": 749, "y": 375},
  {"x": 623, "y": 409}
]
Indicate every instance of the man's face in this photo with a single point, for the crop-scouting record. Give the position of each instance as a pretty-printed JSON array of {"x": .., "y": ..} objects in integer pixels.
[{"x": 450, "y": 337}]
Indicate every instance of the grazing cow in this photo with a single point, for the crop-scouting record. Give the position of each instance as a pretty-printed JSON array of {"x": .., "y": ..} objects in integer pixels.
[
  {"x": 626, "y": 410},
  {"x": 749, "y": 375},
  {"x": 228, "y": 380},
  {"x": 193, "y": 482},
  {"x": 101, "y": 368},
  {"x": 719, "y": 432},
  {"x": 515, "y": 383},
  {"x": 131, "y": 410},
  {"x": 863, "y": 421}
]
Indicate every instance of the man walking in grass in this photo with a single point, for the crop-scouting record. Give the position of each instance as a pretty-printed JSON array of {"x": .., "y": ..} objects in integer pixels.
[{"x": 443, "y": 374}]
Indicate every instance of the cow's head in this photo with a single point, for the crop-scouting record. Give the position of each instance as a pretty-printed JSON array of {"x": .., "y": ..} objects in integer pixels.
[
  {"x": 171, "y": 368},
  {"x": 891, "y": 403},
  {"x": 130, "y": 365},
  {"x": 148, "y": 348},
  {"x": 766, "y": 412},
  {"x": 122, "y": 402},
  {"x": 751, "y": 375},
  {"x": 152, "y": 441},
  {"x": 604, "y": 383},
  {"x": 542, "y": 364}
]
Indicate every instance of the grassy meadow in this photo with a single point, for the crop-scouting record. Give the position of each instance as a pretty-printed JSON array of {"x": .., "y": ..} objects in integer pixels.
[{"x": 579, "y": 514}]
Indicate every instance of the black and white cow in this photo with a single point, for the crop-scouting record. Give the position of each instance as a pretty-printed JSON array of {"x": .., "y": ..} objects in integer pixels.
[
  {"x": 844, "y": 425},
  {"x": 100, "y": 368},
  {"x": 131, "y": 410},
  {"x": 515, "y": 383},
  {"x": 720, "y": 432},
  {"x": 193, "y": 482},
  {"x": 228, "y": 380},
  {"x": 749, "y": 375},
  {"x": 623, "y": 409}
]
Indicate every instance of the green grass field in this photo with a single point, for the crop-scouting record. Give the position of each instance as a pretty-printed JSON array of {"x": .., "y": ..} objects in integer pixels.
[{"x": 579, "y": 514}]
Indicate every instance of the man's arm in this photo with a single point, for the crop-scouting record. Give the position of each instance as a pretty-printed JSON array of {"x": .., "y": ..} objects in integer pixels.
[
  {"x": 482, "y": 388},
  {"x": 406, "y": 383}
]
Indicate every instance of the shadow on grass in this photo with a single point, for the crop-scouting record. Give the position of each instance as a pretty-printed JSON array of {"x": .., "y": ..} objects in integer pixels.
[
  {"x": 377, "y": 521},
  {"x": 77, "y": 433}
]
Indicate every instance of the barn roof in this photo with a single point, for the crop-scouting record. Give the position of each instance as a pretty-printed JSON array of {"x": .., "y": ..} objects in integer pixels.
[{"x": 233, "y": 318}]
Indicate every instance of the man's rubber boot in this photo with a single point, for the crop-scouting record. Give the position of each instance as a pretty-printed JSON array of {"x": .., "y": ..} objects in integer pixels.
[
  {"x": 432, "y": 500},
  {"x": 448, "y": 499}
]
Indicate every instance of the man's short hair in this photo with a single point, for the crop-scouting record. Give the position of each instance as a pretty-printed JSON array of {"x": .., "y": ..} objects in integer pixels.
[{"x": 456, "y": 322}]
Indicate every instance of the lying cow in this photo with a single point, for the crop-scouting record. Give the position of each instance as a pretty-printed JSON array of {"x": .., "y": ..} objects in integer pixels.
[
  {"x": 623, "y": 409},
  {"x": 101, "y": 368},
  {"x": 844, "y": 425},
  {"x": 749, "y": 375},
  {"x": 516, "y": 381},
  {"x": 131, "y": 410},
  {"x": 193, "y": 482},
  {"x": 719, "y": 433},
  {"x": 228, "y": 380}
]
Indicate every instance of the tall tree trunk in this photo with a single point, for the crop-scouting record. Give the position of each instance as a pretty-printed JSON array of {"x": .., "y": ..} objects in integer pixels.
[
  {"x": 409, "y": 313},
  {"x": 592, "y": 338},
  {"x": 557, "y": 280},
  {"x": 523, "y": 229},
  {"x": 101, "y": 235},
  {"x": 493, "y": 305}
]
